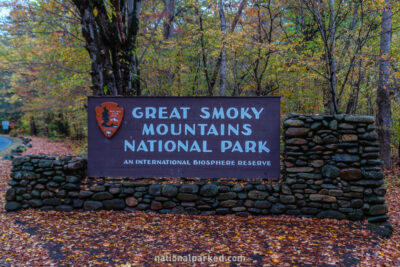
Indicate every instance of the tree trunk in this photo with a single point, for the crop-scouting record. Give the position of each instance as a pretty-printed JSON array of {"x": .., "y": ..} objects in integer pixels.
[
  {"x": 111, "y": 44},
  {"x": 332, "y": 103},
  {"x": 32, "y": 126},
  {"x": 63, "y": 125},
  {"x": 383, "y": 111},
  {"x": 46, "y": 131},
  {"x": 211, "y": 79},
  {"x": 222, "y": 73},
  {"x": 353, "y": 100},
  {"x": 210, "y": 85},
  {"x": 328, "y": 36},
  {"x": 258, "y": 80},
  {"x": 169, "y": 9}
]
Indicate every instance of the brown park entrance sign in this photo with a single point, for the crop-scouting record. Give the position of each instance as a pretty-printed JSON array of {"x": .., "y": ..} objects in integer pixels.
[{"x": 236, "y": 137}]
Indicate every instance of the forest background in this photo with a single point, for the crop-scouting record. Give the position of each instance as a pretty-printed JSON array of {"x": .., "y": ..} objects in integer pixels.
[{"x": 201, "y": 48}]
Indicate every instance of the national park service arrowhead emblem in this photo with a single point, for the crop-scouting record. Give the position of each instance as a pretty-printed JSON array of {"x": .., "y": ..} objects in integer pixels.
[{"x": 109, "y": 118}]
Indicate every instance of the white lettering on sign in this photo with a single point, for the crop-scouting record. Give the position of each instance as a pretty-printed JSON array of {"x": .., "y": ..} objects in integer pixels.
[
  {"x": 194, "y": 129},
  {"x": 231, "y": 113},
  {"x": 166, "y": 146},
  {"x": 160, "y": 113},
  {"x": 247, "y": 147},
  {"x": 197, "y": 128},
  {"x": 215, "y": 113}
]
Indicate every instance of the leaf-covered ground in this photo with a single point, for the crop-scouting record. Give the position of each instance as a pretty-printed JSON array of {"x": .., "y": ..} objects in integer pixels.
[{"x": 110, "y": 238}]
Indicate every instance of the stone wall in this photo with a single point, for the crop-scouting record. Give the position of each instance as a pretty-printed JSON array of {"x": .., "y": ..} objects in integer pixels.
[
  {"x": 332, "y": 166},
  {"x": 44, "y": 182},
  {"x": 331, "y": 170}
]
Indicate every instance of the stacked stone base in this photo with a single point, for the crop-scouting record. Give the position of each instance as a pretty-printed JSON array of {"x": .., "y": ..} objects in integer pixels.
[
  {"x": 331, "y": 170},
  {"x": 332, "y": 164}
]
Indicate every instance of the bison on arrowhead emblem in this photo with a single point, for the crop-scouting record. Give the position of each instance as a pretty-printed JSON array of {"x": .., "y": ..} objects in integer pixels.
[{"x": 109, "y": 118}]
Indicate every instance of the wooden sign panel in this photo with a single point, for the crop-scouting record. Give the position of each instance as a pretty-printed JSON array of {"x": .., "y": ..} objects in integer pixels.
[{"x": 235, "y": 137}]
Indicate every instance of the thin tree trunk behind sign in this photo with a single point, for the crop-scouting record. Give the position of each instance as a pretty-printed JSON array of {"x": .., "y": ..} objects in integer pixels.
[
  {"x": 332, "y": 103},
  {"x": 32, "y": 126},
  {"x": 328, "y": 32},
  {"x": 211, "y": 78},
  {"x": 383, "y": 113},
  {"x": 169, "y": 9},
  {"x": 222, "y": 73}
]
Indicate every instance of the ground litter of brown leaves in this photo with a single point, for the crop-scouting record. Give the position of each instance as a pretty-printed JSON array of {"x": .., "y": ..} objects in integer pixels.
[{"x": 115, "y": 238}]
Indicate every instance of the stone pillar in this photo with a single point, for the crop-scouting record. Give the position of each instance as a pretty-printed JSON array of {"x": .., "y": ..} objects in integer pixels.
[{"x": 331, "y": 163}]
